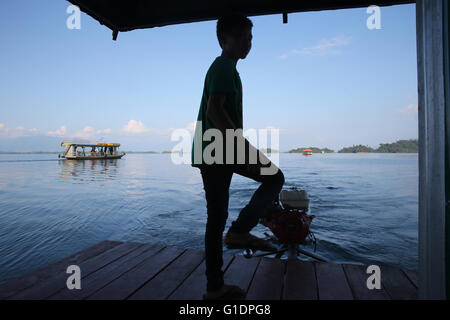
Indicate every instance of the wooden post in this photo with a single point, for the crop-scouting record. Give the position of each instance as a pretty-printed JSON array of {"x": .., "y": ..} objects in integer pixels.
[
  {"x": 430, "y": 73},
  {"x": 446, "y": 15}
]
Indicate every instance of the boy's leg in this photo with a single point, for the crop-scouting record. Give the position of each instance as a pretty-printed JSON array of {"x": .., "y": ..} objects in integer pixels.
[
  {"x": 267, "y": 192},
  {"x": 216, "y": 182}
]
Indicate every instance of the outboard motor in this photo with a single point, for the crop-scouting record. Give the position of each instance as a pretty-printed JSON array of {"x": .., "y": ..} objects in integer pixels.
[{"x": 289, "y": 221}]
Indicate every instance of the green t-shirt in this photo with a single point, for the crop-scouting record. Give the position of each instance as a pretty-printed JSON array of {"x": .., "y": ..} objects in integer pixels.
[{"x": 222, "y": 77}]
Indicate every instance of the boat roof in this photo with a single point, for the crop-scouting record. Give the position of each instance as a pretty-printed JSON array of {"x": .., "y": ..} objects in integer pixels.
[
  {"x": 126, "y": 15},
  {"x": 89, "y": 144}
]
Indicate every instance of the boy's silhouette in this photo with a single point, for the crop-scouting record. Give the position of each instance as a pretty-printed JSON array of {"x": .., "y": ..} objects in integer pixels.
[{"x": 221, "y": 108}]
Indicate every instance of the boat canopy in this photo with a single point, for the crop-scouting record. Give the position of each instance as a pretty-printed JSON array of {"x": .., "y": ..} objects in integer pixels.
[
  {"x": 67, "y": 143},
  {"x": 126, "y": 15}
]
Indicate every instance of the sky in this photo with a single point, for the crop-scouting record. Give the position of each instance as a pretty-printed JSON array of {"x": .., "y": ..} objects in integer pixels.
[{"x": 324, "y": 79}]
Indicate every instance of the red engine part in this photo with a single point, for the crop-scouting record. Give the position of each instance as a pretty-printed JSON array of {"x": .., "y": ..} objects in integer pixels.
[{"x": 290, "y": 226}]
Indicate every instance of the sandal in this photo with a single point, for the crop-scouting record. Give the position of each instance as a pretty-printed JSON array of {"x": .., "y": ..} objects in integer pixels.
[{"x": 246, "y": 240}]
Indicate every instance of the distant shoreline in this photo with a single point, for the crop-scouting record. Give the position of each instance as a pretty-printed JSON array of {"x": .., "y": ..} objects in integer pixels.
[
  {"x": 400, "y": 146},
  {"x": 165, "y": 152}
]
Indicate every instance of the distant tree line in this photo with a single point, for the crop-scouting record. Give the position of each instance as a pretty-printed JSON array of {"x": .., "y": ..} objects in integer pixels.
[
  {"x": 400, "y": 146},
  {"x": 313, "y": 149},
  {"x": 356, "y": 149}
]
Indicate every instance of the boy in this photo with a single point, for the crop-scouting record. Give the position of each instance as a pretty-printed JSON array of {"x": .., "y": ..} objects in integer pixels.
[{"x": 221, "y": 108}]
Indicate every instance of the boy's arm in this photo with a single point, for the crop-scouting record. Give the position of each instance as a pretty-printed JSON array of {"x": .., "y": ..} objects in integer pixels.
[
  {"x": 215, "y": 111},
  {"x": 221, "y": 120}
]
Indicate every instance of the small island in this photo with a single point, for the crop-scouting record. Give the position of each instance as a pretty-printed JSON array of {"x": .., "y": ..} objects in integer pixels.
[
  {"x": 313, "y": 149},
  {"x": 400, "y": 146}
]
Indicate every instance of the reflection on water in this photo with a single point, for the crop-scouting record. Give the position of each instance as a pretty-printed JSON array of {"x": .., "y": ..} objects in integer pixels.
[{"x": 89, "y": 170}]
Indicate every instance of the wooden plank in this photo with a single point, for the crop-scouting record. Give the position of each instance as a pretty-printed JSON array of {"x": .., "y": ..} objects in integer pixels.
[
  {"x": 357, "y": 279},
  {"x": 397, "y": 284},
  {"x": 28, "y": 280},
  {"x": 300, "y": 281},
  {"x": 131, "y": 281},
  {"x": 164, "y": 283},
  {"x": 412, "y": 276},
  {"x": 98, "y": 279},
  {"x": 55, "y": 283},
  {"x": 194, "y": 286},
  {"x": 115, "y": 270},
  {"x": 268, "y": 280},
  {"x": 241, "y": 271},
  {"x": 331, "y": 282}
]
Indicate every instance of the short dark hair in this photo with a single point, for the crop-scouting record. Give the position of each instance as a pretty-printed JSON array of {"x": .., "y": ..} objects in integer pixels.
[{"x": 230, "y": 23}]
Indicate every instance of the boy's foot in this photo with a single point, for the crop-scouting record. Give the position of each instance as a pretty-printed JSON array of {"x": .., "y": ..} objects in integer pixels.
[
  {"x": 227, "y": 292},
  {"x": 245, "y": 240},
  {"x": 264, "y": 222}
]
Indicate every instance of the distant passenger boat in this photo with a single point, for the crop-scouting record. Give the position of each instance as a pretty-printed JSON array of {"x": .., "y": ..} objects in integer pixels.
[
  {"x": 98, "y": 150},
  {"x": 307, "y": 152}
]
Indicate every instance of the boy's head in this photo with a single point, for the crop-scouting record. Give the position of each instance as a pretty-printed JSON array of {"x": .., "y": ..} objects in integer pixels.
[{"x": 234, "y": 32}]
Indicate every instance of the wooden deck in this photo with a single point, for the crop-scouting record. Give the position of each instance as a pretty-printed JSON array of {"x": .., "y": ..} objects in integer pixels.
[{"x": 122, "y": 270}]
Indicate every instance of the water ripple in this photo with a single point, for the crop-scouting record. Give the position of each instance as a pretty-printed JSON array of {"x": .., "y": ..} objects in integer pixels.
[{"x": 366, "y": 208}]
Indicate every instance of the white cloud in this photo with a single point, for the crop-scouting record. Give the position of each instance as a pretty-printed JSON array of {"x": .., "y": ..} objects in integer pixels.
[
  {"x": 62, "y": 131},
  {"x": 410, "y": 109},
  {"x": 86, "y": 133},
  {"x": 135, "y": 127},
  {"x": 17, "y": 132},
  {"x": 322, "y": 48},
  {"x": 138, "y": 127}
]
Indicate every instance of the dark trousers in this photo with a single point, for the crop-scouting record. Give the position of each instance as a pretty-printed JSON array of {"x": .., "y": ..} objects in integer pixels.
[{"x": 216, "y": 182}]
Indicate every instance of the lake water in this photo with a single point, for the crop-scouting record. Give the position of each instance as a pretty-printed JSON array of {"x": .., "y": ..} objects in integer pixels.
[{"x": 366, "y": 205}]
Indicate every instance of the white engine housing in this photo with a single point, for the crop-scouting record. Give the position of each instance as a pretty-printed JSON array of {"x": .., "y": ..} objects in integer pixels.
[{"x": 294, "y": 198}]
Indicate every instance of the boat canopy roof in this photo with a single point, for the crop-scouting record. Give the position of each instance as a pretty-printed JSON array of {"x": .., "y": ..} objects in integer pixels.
[
  {"x": 126, "y": 15},
  {"x": 66, "y": 143}
]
